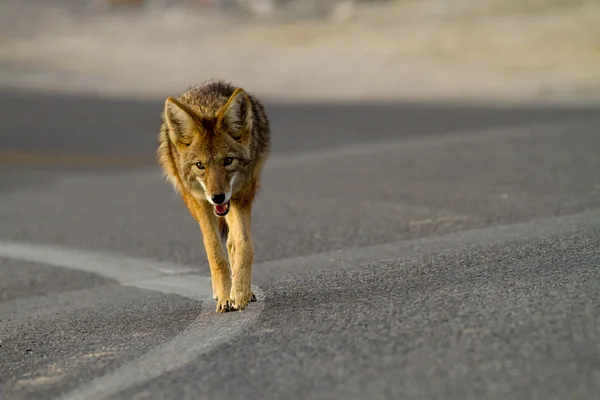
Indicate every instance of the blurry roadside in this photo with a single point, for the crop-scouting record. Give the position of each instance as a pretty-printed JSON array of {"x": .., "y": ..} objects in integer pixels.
[{"x": 494, "y": 50}]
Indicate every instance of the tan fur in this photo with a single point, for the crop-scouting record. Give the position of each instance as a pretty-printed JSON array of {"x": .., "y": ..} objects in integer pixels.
[{"x": 212, "y": 124}]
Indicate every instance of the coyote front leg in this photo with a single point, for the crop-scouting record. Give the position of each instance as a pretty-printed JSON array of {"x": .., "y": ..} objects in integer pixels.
[
  {"x": 219, "y": 268},
  {"x": 241, "y": 252}
]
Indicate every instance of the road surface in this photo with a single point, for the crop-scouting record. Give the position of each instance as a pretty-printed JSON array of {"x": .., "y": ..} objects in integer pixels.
[{"x": 402, "y": 251}]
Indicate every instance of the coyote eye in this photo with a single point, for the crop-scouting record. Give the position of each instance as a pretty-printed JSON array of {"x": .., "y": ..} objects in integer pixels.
[
  {"x": 228, "y": 161},
  {"x": 199, "y": 165}
]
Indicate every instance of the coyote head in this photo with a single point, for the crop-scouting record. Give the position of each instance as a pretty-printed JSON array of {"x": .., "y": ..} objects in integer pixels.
[{"x": 212, "y": 146}]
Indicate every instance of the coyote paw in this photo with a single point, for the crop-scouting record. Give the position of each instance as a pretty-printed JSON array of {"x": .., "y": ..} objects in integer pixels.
[
  {"x": 224, "y": 305},
  {"x": 230, "y": 305},
  {"x": 252, "y": 298},
  {"x": 240, "y": 299}
]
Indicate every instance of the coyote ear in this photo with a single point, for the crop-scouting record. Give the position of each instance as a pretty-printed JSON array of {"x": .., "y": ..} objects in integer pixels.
[
  {"x": 179, "y": 121},
  {"x": 235, "y": 117}
]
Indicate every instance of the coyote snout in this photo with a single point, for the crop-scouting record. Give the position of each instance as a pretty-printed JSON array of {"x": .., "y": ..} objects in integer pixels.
[
  {"x": 217, "y": 181},
  {"x": 218, "y": 199}
]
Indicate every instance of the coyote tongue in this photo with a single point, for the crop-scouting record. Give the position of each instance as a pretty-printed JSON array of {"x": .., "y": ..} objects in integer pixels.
[{"x": 222, "y": 209}]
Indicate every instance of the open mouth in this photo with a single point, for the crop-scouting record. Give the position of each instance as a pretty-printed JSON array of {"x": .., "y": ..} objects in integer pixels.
[{"x": 222, "y": 209}]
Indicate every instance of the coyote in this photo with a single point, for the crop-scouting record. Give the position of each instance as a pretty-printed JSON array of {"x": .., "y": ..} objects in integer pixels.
[{"x": 214, "y": 140}]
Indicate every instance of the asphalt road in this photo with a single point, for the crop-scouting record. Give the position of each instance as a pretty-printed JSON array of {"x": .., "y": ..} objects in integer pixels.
[{"x": 402, "y": 252}]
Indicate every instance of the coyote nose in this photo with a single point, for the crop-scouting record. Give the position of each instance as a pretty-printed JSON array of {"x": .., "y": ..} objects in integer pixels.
[{"x": 218, "y": 198}]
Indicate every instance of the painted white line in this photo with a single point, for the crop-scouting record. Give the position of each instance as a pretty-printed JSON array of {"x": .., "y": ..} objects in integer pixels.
[
  {"x": 122, "y": 269},
  {"x": 199, "y": 338}
]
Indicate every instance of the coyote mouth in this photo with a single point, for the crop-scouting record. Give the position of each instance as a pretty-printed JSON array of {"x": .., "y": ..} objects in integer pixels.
[{"x": 222, "y": 209}]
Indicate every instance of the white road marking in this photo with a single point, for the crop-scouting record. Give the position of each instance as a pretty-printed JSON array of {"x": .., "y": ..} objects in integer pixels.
[
  {"x": 122, "y": 269},
  {"x": 196, "y": 340}
]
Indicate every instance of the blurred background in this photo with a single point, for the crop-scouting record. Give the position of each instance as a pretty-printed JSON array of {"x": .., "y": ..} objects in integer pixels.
[{"x": 338, "y": 50}]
